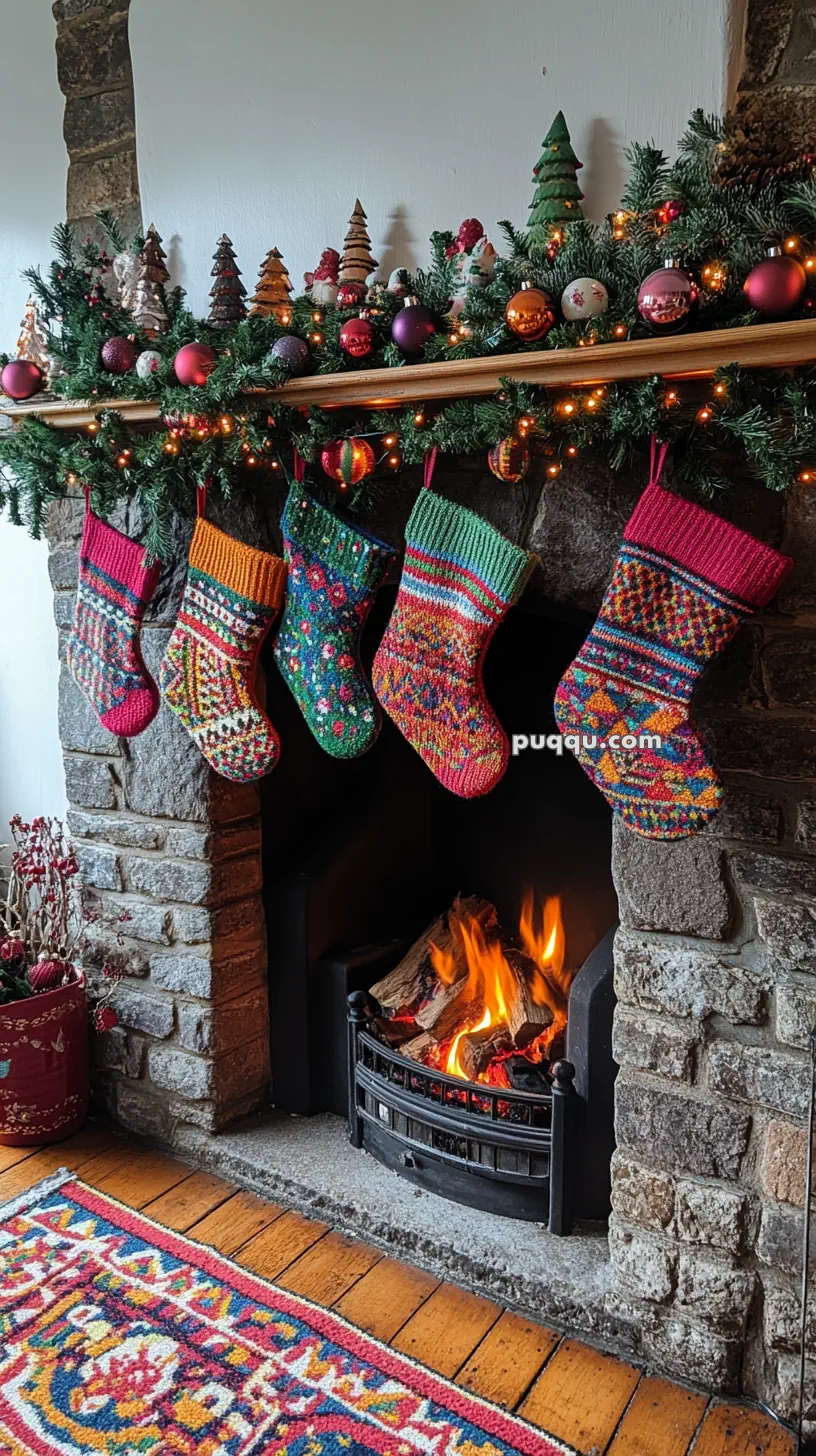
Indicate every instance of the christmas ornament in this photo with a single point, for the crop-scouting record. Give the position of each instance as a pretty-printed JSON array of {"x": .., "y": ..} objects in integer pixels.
[
  {"x": 194, "y": 363},
  {"x": 474, "y": 270},
  {"x": 510, "y": 459},
  {"x": 530, "y": 313},
  {"x": 271, "y": 298},
  {"x": 350, "y": 294},
  {"x": 21, "y": 379},
  {"x": 293, "y": 352},
  {"x": 413, "y": 326},
  {"x": 776, "y": 286},
  {"x": 679, "y": 564},
  {"x": 46, "y": 974},
  {"x": 148, "y": 362},
  {"x": 32, "y": 343},
  {"x": 398, "y": 283},
  {"x": 148, "y": 307},
  {"x": 228, "y": 292},
  {"x": 322, "y": 284},
  {"x": 667, "y": 298},
  {"x": 357, "y": 262},
  {"x": 584, "y": 299},
  {"x": 334, "y": 572},
  {"x": 459, "y": 579},
  {"x": 231, "y": 598},
  {"x": 470, "y": 231},
  {"x": 557, "y": 197},
  {"x": 357, "y": 338},
  {"x": 348, "y": 461},
  {"x": 124, "y": 272},
  {"x": 118, "y": 355},
  {"x": 669, "y": 212}
]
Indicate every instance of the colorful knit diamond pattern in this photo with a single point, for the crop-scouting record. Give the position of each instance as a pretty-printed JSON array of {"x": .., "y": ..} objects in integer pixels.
[
  {"x": 660, "y": 622},
  {"x": 334, "y": 572},
  {"x": 104, "y": 655},
  {"x": 232, "y": 595},
  {"x": 459, "y": 579}
]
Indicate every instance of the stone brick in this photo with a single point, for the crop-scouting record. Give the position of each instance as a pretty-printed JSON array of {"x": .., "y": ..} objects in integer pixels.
[
  {"x": 680, "y": 1131},
  {"x": 178, "y": 1071},
  {"x": 577, "y": 531},
  {"x": 140, "y": 1109},
  {"x": 642, "y": 1265},
  {"x": 781, "y": 1322},
  {"x": 767, "y": 33},
  {"x": 675, "y": 885},
  {"x": 116, "y": 1051},
  {"x": 654, "y": 1045},
  {"x": 190, "y": 841},
  {"x": 117, "y": 829},
  {"x": 806, "y": 825},
  {"x": 137, "y": 919},
  {"x": 69, "y": 9},
  {"x": 778, "y": 874},
  {"x": 63, "y": 569},
  {"x": 194, "y": 884},
  {"x": 789, "y": 932},
  {"x": 64, "y": 608},
  {"x": 677, "y": 979},
  {"x": 143, "y": 1012},
  {"x": 783, "y": 1168},
  {"x": 219, "y": 1028},
  {"x": 732, "y": 679},
  {"x": 237, "y": 927},
  {"x": 798, "y": 591},
  {"x": 187, "y": 841},
  {"x": 93, "y": 57},
  {"x": 696, "y": 1355},
  {"x": 207, "y": 976},
  {"x": 764, "y": 745},
  {"x": 795, "y": 1014},
  {"x": 747, "y": 816},
  {"x": 640, "y": 1195},
  {"x": 104, "y": 946},
  {"x": 99, "y": 867},
  {"x": 89, "y": 781},
  {"x": 66, "y": 518},
  {"x": 79, "y": 726},
  {"x": 242, "y": 1074},
  {"x": 784, "y": 1395},
  {"x": 713, "y": 1216},
  {"x": 780, "y": 1238},
  {"x": 788, "y": 664},
  {"x": 760, "y": 1074},
  {"x": 713, "y": 1292},
  {"x": 99, "y": 182},
  {"x": 101, "y": 122}
]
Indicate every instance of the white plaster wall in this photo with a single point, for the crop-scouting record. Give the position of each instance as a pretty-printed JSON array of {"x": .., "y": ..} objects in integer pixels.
[
  {"x": 33, "y": 165},
  {"x": 266, "y": 118}
]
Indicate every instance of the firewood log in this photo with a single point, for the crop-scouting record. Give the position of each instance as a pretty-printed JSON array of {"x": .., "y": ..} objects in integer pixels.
[{"x": 414, "y": 980}]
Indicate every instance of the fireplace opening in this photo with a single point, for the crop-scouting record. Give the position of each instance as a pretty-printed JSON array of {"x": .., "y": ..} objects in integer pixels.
[{"x": 361, "y": 857}]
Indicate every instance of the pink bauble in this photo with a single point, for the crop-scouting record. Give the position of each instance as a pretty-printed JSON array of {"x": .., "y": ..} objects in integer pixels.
[
  {"x": 194, "y": 364},
  {"x": 119, "y": 355},
  {"x": 776, "y": 286},
  {"x": 666, "y": 299},
  {"x": 357, "y": 338},
  {"x": 20, "y": 379}
]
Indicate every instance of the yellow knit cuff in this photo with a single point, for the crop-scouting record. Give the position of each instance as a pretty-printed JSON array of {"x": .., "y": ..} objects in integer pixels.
[{"x": 257, "y": 575}]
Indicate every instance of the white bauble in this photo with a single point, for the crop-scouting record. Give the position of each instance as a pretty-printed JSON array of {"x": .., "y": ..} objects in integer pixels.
[
  {"x": 585, "y": 298},
  {"x": 147, "y": 363}
]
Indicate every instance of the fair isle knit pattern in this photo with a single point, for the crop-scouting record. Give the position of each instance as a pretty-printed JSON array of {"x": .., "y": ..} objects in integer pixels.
[
  {"x": 459, "y": 579},
  {"x": 104, "y": 655},
  {"x": 334, "y": 572},
  {"x": 232, "y": 596},
  {"x": 683, "y": 582}
]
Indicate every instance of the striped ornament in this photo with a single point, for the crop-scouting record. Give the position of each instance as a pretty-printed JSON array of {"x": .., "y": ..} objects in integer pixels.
[
  {"x": 510, "y": 459},
  {"x": 348, "y": 461}
]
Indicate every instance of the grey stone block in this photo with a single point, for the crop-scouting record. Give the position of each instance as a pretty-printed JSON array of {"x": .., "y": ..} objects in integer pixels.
[
  {"x": 116, "y": 1051},
  {"x": 207, "y": 976},
  {"x": 760, "y": 1074},
  {"x": 177, "y": 1071},
  {"x": 789, "y": 931},
  {"x": 693, "y": 1354},
  {"x": 99, "y": 867},
  {"x": 105, "y": 946},
  {"x": 640, "y": 1264},
  {"x": 64, "y": 608},
  {"x": 640, "y": 1195},
  {"x": 679, "y": 1131},
  {"x": 165, "y": 775},
  {"x": 142, "y": 1110},
  {"x": 675, "y": 885},
  {"x": 93, "y": 57},
  {"x": 137, "y": 919},
  {"x": 747, "y": 816},
  {"x": 710, "y": 1215},
  {"x": 788, "y": 664},
  {"x": 63, "y": 569},
  {"x": 220, "y": 1028},
  {"x": 669, "y": 977},
  {"x": 117, "y": 829},
  {"x": 577, "y": 531},
  {"x": 142, "y": 1012},
  {"x": 714, "y": 1292},
  {"x": 778, "y": 874},
  {"x": 194, "y": 884},
  {"x": 780, "y": 1238},
  {"x": 79, "y": 726},
  {"x": 806, "y": 825},
  {"x": 89, "y": 781},
  {"x": 795, "y": 1014},
  {"x": 99, "y": 122},
  {"x": 655, "y": 1046},
  {"x": 765, "y": 745}
]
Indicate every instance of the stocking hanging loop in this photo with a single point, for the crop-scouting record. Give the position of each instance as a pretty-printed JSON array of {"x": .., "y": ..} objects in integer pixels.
[
  {"x": 657, "y": 457},
  {"x": 201, "y": 496},
  {"x": 430, "y": 466},
  {"x": 298, "y": 465}
]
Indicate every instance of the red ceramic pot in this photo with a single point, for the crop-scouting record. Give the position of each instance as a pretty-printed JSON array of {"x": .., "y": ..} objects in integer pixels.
[{"x": 44, "y": 1066}]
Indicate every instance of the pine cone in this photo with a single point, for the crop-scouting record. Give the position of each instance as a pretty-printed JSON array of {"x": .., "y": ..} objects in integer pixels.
[{"x": 754, "y": 158}]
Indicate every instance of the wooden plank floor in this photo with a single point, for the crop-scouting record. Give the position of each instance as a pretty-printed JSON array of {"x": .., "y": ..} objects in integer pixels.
[{"x": 599, "y": 1404}]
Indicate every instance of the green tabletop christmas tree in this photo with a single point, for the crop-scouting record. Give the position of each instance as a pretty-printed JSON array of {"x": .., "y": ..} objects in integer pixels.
[{"x": 557, "y": 198}]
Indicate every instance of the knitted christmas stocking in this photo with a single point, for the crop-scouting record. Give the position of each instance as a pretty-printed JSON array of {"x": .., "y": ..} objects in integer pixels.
[
  {"x": 683, "y": 581},
  {"x": 334, "y": 572},
  {"x": 104, "y": 655},
  {"x": 459, "y": 578},
  {"x": 231, "y": 598}
]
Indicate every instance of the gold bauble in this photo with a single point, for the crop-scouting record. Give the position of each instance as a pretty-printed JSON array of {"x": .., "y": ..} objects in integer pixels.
[{"x": 530, "y": 313}]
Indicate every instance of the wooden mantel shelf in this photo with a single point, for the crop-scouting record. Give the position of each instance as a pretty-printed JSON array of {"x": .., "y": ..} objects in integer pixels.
[{"x": 765, "y": 346}]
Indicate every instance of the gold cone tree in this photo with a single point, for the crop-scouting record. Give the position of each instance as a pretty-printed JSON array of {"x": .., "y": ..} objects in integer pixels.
[{"x": 274, "y": 287}]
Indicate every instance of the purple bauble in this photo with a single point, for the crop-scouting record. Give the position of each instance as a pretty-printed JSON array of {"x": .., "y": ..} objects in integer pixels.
[
  {"x": 119, "y": 355},
  {"x": 20, "y": 379},
  {"x": 776, "y": 286},
  {"x": 667, "y": 299},
  {"x": 413, "y": 327},
  {"x": 293, "y": 352}
]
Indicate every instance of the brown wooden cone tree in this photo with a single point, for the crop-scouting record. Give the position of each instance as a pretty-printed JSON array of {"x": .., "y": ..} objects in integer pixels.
[
  {"x": 228, "y": 292},
  {"x": 274, "y": 288},
  {"x": 148, "y": 307},
  {"x": 357, "y": 263}
]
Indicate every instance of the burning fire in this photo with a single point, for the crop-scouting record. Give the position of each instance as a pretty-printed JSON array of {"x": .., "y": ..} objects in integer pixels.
[{"x": 492, "y": 986}]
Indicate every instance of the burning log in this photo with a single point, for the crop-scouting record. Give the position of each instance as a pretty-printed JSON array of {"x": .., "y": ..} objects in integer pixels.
[
  {"x": 476, "y": 1050},
  {"x": 414, "y": 980},
  {"x": 418, "y": 1048}
]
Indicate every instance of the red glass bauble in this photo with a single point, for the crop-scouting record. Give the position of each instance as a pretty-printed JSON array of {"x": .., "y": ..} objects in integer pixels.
[
  {"x": 194, "y": 363},
  {"x": 666, "y": 299},
  {"x": 776, "y": 286},
  {"x": 413, "y": 326},
  {"x": 119, "y": 355},
  {"x": 20, "y": 379},
  {"x": 470, "y": 233},
  {"x": 350, "y": 294},
  {"x": 510, "y": 459},
  {"x": 357, "y": 338},
  {"x": 530, "y": 313},
  {"x": 347, "y": 461}
]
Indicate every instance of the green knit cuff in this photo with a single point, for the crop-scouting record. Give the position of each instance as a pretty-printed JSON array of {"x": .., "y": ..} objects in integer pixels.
[
  {"x": 444, "y": 529},
  {"x": 361, "y": 560}
]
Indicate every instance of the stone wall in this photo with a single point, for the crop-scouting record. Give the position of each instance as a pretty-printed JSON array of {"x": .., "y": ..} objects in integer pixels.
[{"x": 777, "y": 90}]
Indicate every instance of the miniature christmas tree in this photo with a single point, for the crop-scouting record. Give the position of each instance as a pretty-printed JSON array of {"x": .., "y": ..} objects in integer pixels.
[
  {"x": 357, "y": 262},
  {"x": 33, "y": 343},
  {"x": 557, "y": 196},
  {"x": 148, "y": 306},
  {"x": 274, "y": 288},
  {"x": 228, "y": 292}
]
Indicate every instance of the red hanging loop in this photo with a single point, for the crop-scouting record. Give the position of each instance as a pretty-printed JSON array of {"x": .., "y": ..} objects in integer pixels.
[
  {"x": 430, "y": 466},
  {"x": 201, "y": 497},
  {"x": 86, "y": 490},
  {"x": 657, "y": 456},
  {"x": 298, "y": 465}
]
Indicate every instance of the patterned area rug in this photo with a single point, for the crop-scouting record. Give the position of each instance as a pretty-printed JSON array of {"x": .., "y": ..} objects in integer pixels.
[{"x": 118, "y": 1336}]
